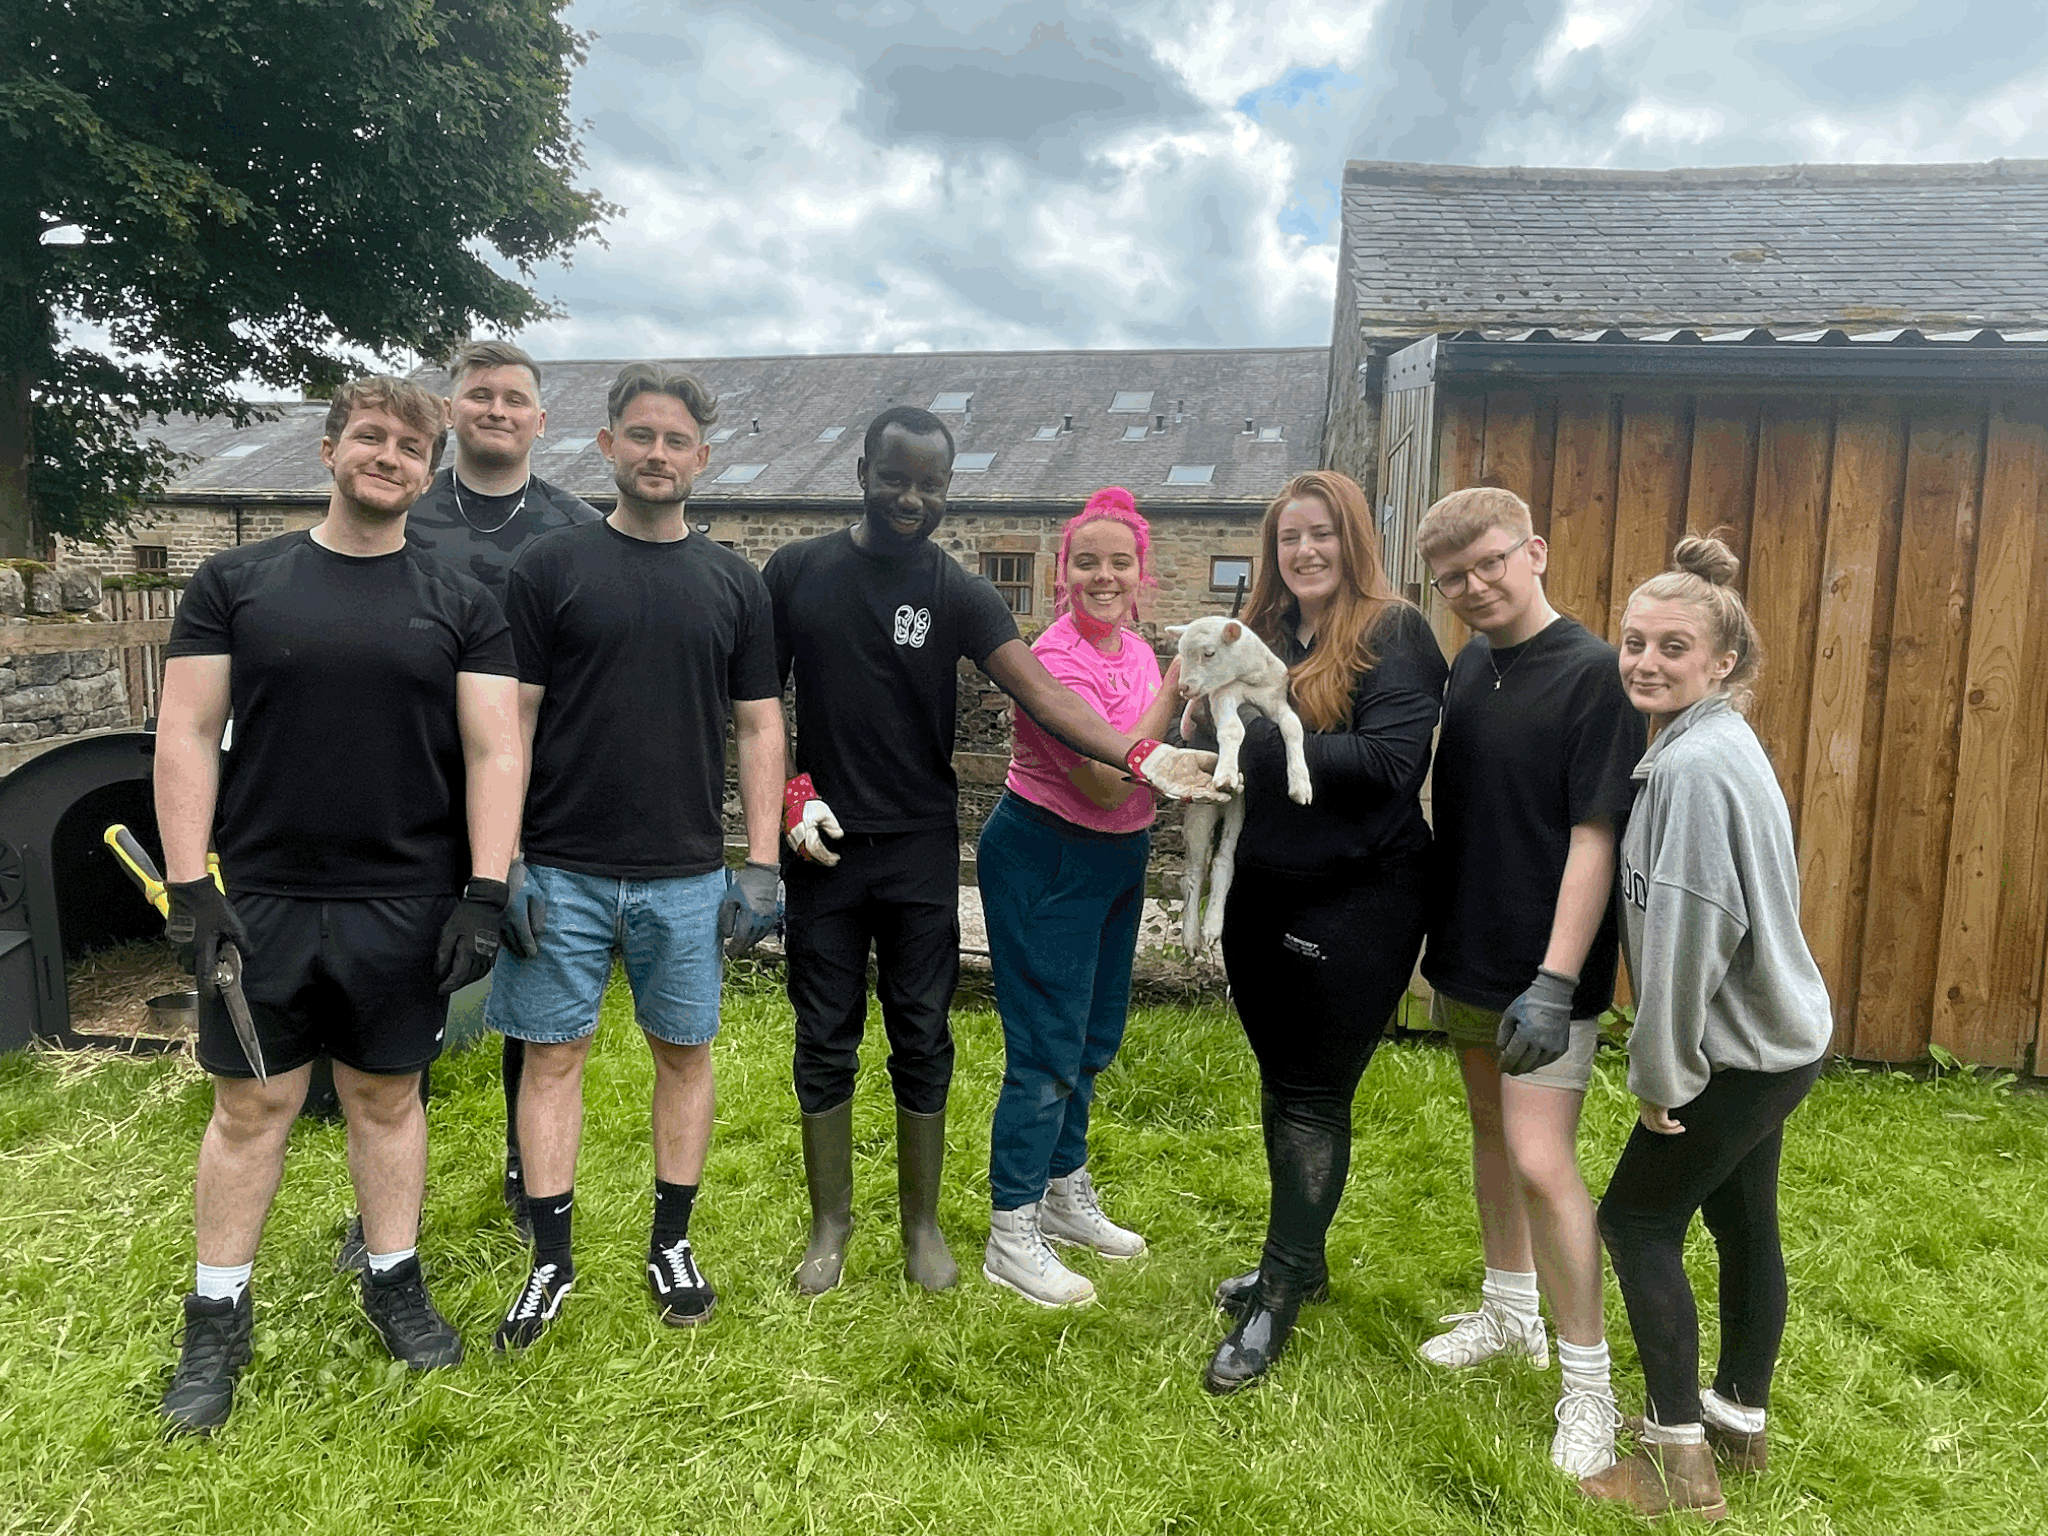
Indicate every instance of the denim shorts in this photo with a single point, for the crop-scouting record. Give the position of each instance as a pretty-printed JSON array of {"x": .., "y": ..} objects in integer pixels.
[
  {"x": 1472, "y": 1028},
  {"x": 666, "y": 932}
]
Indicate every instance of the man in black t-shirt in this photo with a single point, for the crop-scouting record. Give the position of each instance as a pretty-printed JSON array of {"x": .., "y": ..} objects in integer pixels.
[
  {"x": 477, "y": 515},
  {"x": 872, "y": 622},
  {"x": 636, "y": 640},
  {"x": 1530, "y": 792},
  {"x": 375, "y": 770}
]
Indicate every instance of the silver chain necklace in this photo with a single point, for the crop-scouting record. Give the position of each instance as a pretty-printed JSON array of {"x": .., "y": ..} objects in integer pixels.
[
  {"x": 1499, "y": 676},
  {"x": 463, "y": 512}
]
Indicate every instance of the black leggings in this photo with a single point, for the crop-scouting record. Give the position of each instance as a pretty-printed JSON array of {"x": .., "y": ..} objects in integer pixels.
[
  {"x": 1317, "y": 968},
  {"x": 1725, "y": 1166}
]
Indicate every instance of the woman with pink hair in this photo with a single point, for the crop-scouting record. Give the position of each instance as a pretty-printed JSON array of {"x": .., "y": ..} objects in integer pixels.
[{"x": 1062, "y": 871}]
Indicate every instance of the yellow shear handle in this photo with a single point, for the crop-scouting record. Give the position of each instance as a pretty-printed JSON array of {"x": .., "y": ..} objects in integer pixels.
[{"x": 142, "y": 868}]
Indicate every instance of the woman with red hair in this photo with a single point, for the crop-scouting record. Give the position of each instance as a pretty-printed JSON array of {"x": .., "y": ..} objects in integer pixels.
[
  {"x": 1062, "y": 874},
  {"x": 1325, "y": 917}
]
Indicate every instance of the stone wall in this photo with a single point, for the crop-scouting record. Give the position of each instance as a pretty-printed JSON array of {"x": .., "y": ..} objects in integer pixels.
[
  {"x": 58, "y": 693},
  {"x": 188, "y": 533}
]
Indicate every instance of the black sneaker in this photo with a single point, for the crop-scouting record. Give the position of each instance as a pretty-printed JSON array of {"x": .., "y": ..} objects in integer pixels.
[
  {"x": 680, "y": 1290},
  {"x": 213, "y": 1350},
  {"x": 404, "y": 1317},
  {"x": 354, "y": 1257},
  {"x": 535, "y": 1306},
  {"x": 515, "y": 1196}
]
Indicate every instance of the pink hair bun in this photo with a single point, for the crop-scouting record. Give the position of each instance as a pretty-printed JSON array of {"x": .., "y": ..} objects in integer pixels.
[{"x": 1111, "y": 498}]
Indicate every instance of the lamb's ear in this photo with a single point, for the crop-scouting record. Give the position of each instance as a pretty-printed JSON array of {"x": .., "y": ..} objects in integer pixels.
[
  {"x": 1176, "y": 630},
  {"x": 1232, "y": 632}
]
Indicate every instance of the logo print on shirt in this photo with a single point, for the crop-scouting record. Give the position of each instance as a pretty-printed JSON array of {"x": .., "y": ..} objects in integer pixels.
[{"x": 912, "y": 624}]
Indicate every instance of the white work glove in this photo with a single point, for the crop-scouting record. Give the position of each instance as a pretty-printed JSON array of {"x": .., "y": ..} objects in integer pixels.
[
  {"x": 805, "y": 817},
  {"x": 1178, "y": 773}
]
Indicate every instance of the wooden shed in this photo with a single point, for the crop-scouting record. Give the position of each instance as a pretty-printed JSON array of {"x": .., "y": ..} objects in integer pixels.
[{"x": 1848, "y": 367}]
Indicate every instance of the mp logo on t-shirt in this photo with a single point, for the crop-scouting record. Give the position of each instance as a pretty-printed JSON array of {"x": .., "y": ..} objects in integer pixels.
[{"x": 912, "y": 625}]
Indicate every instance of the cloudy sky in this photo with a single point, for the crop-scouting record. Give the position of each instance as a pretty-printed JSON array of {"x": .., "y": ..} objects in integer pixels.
[{"x": 812, "y": 176}]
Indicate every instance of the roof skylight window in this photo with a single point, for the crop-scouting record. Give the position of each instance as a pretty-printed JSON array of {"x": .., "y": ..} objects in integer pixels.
[
  {"x": 1136, "y": 434},
  {"x": 1191, "y": 474},
  {"x": 1269, "y": 434},
  {"x": 723, "y": 435},
  {"x": 1045, "y": 434},
  {"x": 739, "y": 474},
  {"x": 972, "y": 463},
  {"x": 1131, "y": 400},
  {"x": 954, "y": 401},
  {"x": 569, "y": 445},
  {"x": 831, "y": 434},
  {"x": 239, "y": 451}
]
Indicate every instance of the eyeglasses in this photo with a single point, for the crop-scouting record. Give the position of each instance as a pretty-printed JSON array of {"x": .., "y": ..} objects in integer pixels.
[{"x": 1489, "y": 570}]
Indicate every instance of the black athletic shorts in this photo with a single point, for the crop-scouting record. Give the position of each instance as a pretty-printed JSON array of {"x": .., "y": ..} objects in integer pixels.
[{"x": 353, "y": 980}]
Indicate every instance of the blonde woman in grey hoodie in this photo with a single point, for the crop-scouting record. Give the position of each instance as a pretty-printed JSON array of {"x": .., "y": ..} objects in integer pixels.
[{"x": 1732, "y": 1028}]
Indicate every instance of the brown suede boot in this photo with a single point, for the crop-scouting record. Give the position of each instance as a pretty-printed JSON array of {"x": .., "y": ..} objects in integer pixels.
[
  {"x": 1740, "y": 1450},
  {"x": 1661, "y": 1480}
]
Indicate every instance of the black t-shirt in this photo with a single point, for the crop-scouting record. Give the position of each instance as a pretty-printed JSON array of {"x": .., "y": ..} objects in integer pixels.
[
  {"x": 1517, "y": 768},
  {"x": 437, "y": 525},
  {"x": 346, "y": 775},
  {"x": 1367, "y": 776},
  {"x": 642, "y": 648},
  {"x": 875, "y": 647}
]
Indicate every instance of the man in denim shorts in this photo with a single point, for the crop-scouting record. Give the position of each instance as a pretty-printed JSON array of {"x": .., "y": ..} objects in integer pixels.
[
  {"x": 1531, "y": 790},
  {"x": 636, "y": 639}
]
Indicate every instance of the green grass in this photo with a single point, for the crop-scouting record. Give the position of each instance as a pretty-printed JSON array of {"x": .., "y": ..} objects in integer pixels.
[{"x": 1913, "y": 1395}]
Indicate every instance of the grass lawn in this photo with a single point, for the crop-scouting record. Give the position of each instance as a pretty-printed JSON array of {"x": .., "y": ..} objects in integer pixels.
[{"x": 1913, "y": 1395}]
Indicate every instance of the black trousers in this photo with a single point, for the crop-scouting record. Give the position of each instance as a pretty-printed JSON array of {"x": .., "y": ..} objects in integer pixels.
[
  {"x": 1725, "y": 1167},
  {"x": 898, "y": 896},
  {"x": 1317, "y": 968}
]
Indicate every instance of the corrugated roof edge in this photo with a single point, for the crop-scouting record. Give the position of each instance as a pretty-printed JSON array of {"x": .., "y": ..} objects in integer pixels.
[{"x": 1404, "y": 173}]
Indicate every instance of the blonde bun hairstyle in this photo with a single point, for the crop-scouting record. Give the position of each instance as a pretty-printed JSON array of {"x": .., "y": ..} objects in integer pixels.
[{"x": 1702, "y": 576}]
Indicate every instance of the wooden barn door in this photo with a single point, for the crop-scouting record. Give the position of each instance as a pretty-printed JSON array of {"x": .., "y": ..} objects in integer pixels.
[{"x": 1407, "y": 459}]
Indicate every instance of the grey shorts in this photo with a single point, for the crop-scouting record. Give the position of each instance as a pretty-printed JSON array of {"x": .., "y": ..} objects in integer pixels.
[{"x": 1472, "y": 1028}]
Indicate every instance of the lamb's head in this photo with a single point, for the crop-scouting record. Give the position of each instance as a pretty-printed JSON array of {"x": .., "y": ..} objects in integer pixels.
[{"x": 1216, "y": 650}]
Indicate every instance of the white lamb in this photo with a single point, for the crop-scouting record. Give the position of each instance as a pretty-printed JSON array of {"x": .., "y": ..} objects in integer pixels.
[{"x": 1223, "y": 665}]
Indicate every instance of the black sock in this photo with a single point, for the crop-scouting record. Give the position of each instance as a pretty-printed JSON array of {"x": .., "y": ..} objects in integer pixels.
[
  {"x": 551, "y": 1215},
  {"x": 672, "y": 1206}
]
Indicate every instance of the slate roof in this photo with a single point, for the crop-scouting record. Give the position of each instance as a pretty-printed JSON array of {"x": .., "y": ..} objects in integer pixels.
[
  {"x": 1791, "y": 248},
  {"x": 1206, "y": 398}
]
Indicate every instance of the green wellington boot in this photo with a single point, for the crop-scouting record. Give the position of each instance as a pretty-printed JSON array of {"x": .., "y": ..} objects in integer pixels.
[
  {"x": 920, "y": 1155},
  {"x": 828, "y": 1171}
]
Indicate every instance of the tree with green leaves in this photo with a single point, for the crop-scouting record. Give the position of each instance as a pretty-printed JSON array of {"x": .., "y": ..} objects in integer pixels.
[{"x": 201, "y": 191}]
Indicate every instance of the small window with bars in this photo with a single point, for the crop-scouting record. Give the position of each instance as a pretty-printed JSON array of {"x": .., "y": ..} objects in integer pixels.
[
  {"x": 152, "y": 557},
  {"x": 1011, "y": 576}
]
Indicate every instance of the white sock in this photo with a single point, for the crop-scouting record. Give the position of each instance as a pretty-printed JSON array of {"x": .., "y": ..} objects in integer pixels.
[
  {"x": 1673, "y": 1434},
  {"x": 1587, "y": 1367},
  {"x": 384, "y": 1263},
  {"x": 1718, "y": 1411},
  {"x": 1512, "y": 1291},
  {"x": 223, "y": 1282}
]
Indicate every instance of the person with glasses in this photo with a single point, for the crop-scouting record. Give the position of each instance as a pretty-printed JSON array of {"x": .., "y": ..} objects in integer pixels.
[{"x": 1531, "y": 789}]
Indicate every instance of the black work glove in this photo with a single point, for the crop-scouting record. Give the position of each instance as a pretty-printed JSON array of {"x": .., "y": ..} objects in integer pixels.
[
  {"x": 750, "y": 910},
  {"x": 199, "y": 919},
  {"x": 1536, "y": 1027},
  {"x": 469, "y": 939},
  {"x": 525, "y": 913}
]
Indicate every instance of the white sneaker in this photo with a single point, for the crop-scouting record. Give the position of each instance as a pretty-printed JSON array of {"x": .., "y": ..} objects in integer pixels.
[
  {"x": 1018, "y": 1257},
  {"x": 1070, "y": 1214},
  {"x": 1492, "y": 1330},
  {"x": 1586, "y": 1422}
]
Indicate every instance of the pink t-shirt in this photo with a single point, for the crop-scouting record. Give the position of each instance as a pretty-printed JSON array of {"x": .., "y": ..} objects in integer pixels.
[{"x": 1118, "y": 688}]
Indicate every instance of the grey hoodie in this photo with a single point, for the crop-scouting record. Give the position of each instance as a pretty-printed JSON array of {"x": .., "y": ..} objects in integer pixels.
[{"x": 1710, "y": 902}]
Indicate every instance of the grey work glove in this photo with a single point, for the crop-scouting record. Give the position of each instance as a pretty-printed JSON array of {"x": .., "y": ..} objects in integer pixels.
[
  {"x": 199, "y": 920},
  {"x": 526, "y": 913},
  {"x": 1536, "y": 1028},
  {"x": 750, "y": 910}
]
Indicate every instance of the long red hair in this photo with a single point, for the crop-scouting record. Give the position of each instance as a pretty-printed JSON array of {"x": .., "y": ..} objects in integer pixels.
[{"x": 1324, "y": 682}]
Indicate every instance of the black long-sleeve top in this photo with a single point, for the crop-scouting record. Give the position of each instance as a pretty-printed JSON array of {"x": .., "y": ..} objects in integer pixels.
[{"x": 1367, "y": 777}]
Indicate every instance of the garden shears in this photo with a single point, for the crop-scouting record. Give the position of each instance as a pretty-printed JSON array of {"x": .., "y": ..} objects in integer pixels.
[{"x": 227, "y": 965}]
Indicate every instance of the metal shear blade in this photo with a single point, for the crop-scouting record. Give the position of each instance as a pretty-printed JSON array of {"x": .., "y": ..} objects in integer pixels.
[{"x": 227, "y": 980}]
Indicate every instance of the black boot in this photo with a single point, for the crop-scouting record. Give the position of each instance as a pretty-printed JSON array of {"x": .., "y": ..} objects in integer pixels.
[
  {"x": 828, "y": 1171},
  {"x": 1236, "y": 1293},
  {"x": 1249, "y": 1350},
  {"x": 920, "y": 1155}
]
